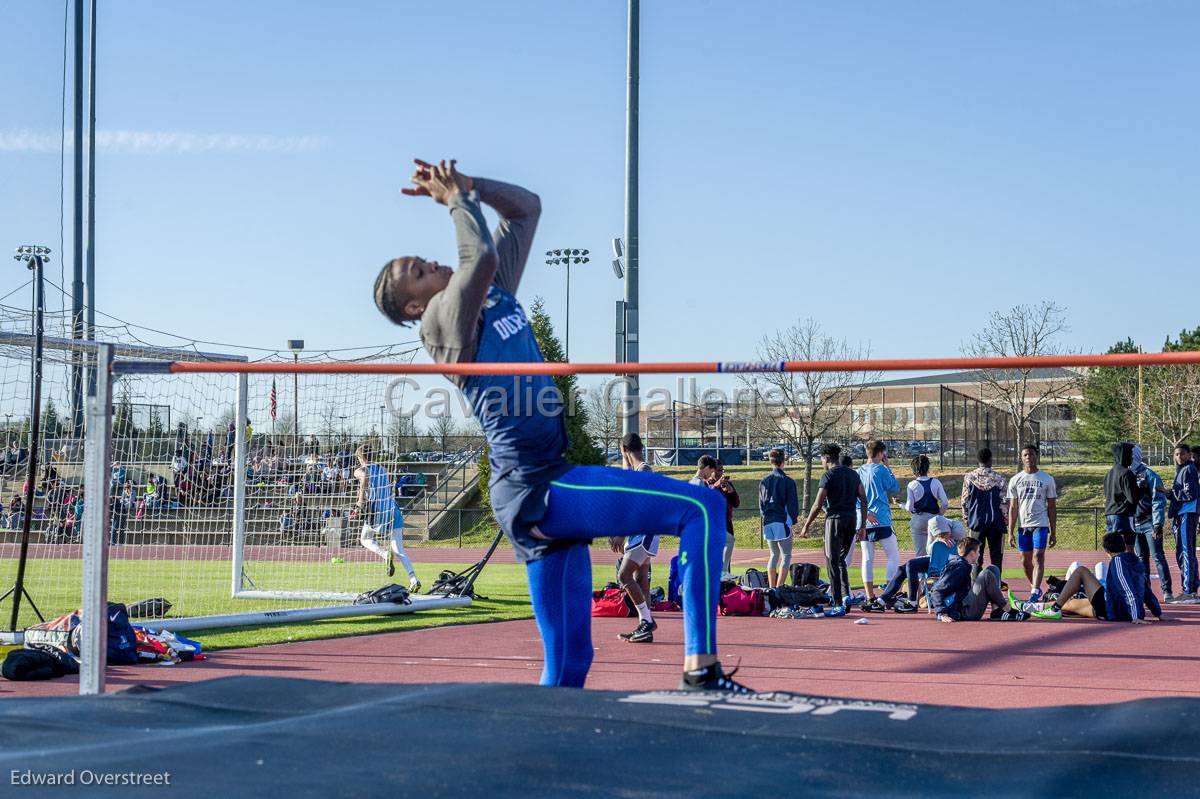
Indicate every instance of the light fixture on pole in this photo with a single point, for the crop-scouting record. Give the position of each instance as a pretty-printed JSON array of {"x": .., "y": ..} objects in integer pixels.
[
  {"x": 565, "y": 257},
  {"x": 296, "y": 345},
  {"x": 34, "y": 257}
]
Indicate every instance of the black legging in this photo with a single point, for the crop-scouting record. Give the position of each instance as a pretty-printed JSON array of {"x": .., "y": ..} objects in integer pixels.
[
  {"x": 839, "y": 537},
  {"x": 992, "y": 542}
]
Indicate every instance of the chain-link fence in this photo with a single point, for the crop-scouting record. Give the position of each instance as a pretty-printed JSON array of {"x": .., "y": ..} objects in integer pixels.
[{"x": 1079, "y": 528}]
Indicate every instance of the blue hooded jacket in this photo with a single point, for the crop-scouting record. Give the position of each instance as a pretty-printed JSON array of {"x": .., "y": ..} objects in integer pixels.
[
  {"x": 1126, "y": 592},
  {"x": 1185, "y": 490},
  {"x": 947, "y": 594}
]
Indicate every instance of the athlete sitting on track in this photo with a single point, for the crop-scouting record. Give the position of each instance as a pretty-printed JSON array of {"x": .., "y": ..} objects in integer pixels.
[
  {"x": 549, "y": 509},
  {"x": 1121, "y": 596},
  {"x": 949, "y": 532},
  {"x": 956, "y": 597}
]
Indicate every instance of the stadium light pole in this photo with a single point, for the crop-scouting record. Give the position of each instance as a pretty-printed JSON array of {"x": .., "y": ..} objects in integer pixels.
[
  {"x": 77, "y": 315},
  {"x": 631, "y": 404},
  {"x": 296, "y": 345},
  {"x": 34, "y": 257},
  {"x": 565, "y": 257}
]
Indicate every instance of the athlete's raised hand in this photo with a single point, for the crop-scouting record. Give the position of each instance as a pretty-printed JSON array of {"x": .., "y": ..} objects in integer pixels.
[{"x": 439, "y": 181}]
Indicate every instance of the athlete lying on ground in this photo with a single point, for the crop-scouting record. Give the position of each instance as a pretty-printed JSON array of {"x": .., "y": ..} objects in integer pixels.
[{"x": 1121, "y": 596}]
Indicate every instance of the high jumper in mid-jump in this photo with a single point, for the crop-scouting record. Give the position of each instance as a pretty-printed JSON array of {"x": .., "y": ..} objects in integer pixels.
[{"x": 549, "y": 509}]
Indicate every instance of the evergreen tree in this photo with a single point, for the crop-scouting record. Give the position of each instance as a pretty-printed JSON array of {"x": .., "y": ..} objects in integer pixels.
[
  {"x": 123, "y": 417},
  {"x": 485, "y": 476},
  {"x": 51, "y": 424},
  {"x": 581, "y": 450},
  {"x": 1103, "y": 416},
  {"x": 1188, "y": 341}
]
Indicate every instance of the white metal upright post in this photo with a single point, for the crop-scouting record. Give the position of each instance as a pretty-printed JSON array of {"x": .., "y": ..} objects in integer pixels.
[
  {"x": 97, "y": 479},
  {"x": 239, "y": 482}
]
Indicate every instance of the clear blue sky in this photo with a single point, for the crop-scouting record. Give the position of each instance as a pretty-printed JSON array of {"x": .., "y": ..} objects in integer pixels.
[{"x": 895, "y": 170}]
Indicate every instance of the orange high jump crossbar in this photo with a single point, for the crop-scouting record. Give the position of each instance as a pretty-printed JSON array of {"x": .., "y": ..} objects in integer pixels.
[{"x": 682, "y": 367}]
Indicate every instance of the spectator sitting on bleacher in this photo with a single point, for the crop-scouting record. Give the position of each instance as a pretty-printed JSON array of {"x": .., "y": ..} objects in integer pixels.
[
  {"x": 118, "y": 476},
  {"x": 14, "y": 456},
  {"x": 179, "y": 463},
  {"x": 287, "y": 522},
  {"x": 150, "y": 497},
  {"x": 16, "y": 512}
]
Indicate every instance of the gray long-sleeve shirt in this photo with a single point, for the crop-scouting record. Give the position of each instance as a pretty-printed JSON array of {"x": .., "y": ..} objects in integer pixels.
[{"x": 450, "y": 325}]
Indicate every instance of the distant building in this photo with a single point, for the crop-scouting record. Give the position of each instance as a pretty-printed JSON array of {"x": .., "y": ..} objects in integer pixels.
[{"x": 912, "y": 407}]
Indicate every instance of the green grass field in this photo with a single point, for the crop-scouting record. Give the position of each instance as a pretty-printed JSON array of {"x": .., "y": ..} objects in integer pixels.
[{"x": 207, "y": 592}]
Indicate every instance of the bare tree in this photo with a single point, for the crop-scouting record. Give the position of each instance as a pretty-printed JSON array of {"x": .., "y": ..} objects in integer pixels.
[
  {"x": 1168, "y": 401},
  {"x": 1023, "y": 331},
  {"x": 603, "y": 414},
  {"x": 328, "y": 429},
  {"x": 803, "y": 408},
  {"x": 443, "y": 428}
]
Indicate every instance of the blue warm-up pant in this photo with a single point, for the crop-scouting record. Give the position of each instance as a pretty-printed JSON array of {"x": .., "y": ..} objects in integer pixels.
[
  {"x": 1185, "y": 551},
  {"x": 591, "y": 502}
]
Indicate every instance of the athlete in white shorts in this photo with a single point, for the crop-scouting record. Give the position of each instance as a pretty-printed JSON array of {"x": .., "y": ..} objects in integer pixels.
[{"x": 381, "y": 515}]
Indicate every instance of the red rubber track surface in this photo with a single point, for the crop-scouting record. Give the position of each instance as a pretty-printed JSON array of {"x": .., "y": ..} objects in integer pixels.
[{"x": 909, "y": 658}]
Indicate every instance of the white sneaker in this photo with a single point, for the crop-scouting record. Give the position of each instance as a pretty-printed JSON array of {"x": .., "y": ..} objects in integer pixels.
[{"x": 414, "y": 586}]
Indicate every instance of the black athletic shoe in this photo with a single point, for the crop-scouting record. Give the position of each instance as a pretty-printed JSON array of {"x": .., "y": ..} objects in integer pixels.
[
  {"x": 875, "y": 606},
  {"x": 643, "y": 634},
  {"x": 905, "y": 605},
  {"x": 1009, "y": 615},
  {"x": 712, "y": 678},
  {"x": 391, "y": 565}
]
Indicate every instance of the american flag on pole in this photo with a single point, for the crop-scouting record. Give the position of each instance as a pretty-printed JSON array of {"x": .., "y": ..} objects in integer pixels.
[{"x": 274, "y": 402}]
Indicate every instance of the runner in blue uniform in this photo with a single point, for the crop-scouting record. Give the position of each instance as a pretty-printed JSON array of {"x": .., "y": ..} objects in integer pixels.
[
  {"x": 549, "y": 509},
  {"x": 381, "y": 515}
]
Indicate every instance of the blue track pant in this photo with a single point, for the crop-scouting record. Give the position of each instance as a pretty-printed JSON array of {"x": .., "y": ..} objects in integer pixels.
[
  {"x": 591, "y": 502},
  {"x": 1185, "y": 551}
]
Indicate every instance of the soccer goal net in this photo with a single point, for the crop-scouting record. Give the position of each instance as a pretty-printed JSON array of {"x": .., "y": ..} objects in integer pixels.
[{"x": 230, "y": 495}]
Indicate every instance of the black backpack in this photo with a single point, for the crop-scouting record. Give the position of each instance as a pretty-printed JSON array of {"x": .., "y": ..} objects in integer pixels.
[
  {"x": 450, "y": 583},
  {"x": 38, "y": 664},
  {"x": 753, "y": 578},
  {"x": 786, "y": 596},
  {"x": 805, "y": 574},
  {"x": 150, "y": 609},
  {"x": 393, "y": 593},
  {"x": 122, "y": 640}
]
